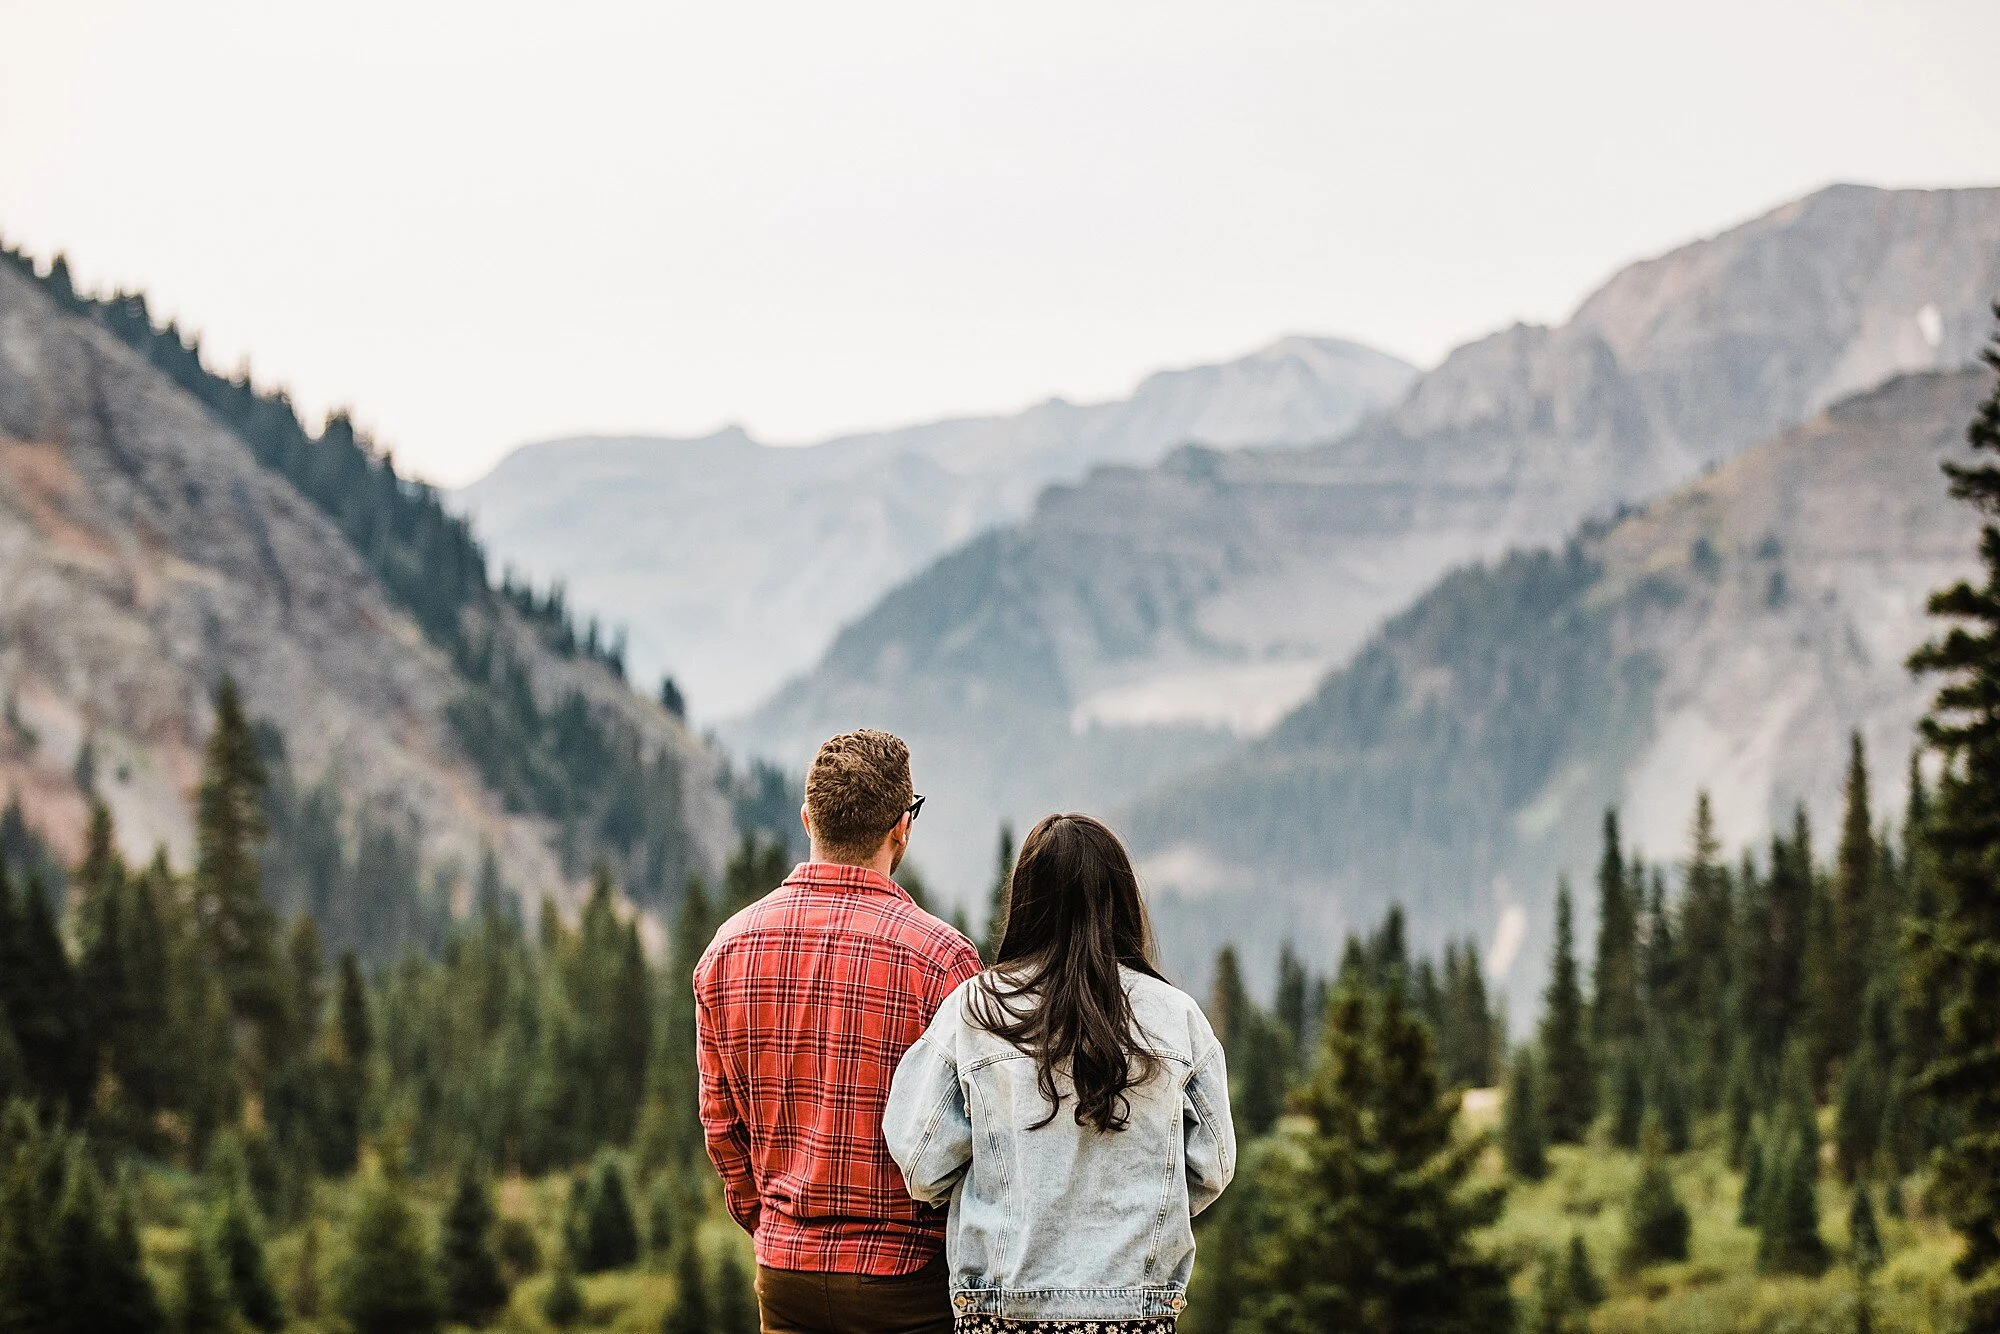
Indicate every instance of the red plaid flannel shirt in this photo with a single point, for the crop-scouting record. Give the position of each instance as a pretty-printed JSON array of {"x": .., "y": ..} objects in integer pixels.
[{"x": 804, "y": 1003}]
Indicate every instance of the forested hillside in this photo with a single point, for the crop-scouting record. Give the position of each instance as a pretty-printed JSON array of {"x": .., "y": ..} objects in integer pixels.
[
  {"x": 164, "y": 525},
  {"x": 1724, "y": 637}
]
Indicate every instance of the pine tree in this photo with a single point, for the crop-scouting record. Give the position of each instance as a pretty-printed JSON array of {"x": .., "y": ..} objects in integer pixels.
[
  {"x": 1669, "y": 1099},
  {"x": 1614, "y": 1012},
  {"x": 304, "y": 1292},
  {"x": 996, "y": 909},
  {"x": 562, "y": 1304},
  {"x": 1289, "y": 1007},
  {"x": 609, "y": 1235},
  {"x": 1864, "y": 1237},
  {"x": 735, "y": 1299},
  {"x": 45, "y": 1003},
  {"x": 1958, "y": 949},
  {"x": 1373, "y": 1212},
  {"x": 1524, "y": 1133},
  {"x": 239, "y": 1246},
  {"x": 237, "y": 928},
  {"x": 1229, "y": 1004},
  {"x": 1628, "y": 1100},
  {"x": 385, "y": 1286},
  {"x": 205, "y": 1306},
  {"x": 1789, "y": 1211},
  {"x": 1859, "y": 1107},
  {"x": 1569, "y": 1083},
  {"x": 690, "y": 1311},
  {"x": 1853, "y": 905},
  {"x": 1706, "y": 932},
  {"x": 1656, "y": 1222},
  {"x": 1750, "y": 1204},
  {"x": 1585, "y": 1288},
  {"x": 468, "y": 1271}
]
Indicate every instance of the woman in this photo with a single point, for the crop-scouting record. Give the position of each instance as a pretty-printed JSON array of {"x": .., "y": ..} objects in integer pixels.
[{"x": 1071, "y": 1105}]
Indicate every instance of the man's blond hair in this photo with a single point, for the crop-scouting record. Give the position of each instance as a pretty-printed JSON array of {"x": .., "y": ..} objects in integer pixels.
[{"x": 857, "y": 789}]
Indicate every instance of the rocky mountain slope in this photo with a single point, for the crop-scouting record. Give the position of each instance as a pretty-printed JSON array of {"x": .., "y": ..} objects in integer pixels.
[
  {"x": 145, "y": 551},
  {"x": 1728, "y": 637},
  {"x": 732, "y": 563},
  {"x": 1140, "y": 617}
]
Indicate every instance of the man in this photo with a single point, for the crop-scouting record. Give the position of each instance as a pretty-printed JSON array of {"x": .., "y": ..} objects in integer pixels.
[{"x": 805, "y": 1002}]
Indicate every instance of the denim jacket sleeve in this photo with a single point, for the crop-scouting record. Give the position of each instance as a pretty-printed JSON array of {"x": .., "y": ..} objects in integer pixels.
[
  {"x": 925, "y": 1122},
  {"x": 1208, "y": 1131}
]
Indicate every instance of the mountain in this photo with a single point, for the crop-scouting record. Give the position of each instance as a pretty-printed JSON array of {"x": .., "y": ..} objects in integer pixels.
[
  {"x": 1142, "y": 618},
  {"x": 1728, "y": 636},
  {"x": 161, "y": 527},
  {"x": 731, "y": 563}
]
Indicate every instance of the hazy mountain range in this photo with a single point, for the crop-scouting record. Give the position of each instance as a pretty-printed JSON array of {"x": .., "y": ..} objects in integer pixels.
[
  {"x": 732, "y": 563},
  {"x": 1141, "y": 620},
  {"x": 1727, "y": 636}
]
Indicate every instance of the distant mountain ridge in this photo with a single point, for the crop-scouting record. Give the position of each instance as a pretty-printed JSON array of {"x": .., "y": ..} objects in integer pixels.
[
  {"x": 1726, "y": 637},
  {"x": 732, "y": 563},
  {"x": 1138, "y": 618}
]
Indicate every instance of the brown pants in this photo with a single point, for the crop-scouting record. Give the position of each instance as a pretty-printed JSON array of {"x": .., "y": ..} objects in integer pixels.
[{"x": 795, "y": 1301}]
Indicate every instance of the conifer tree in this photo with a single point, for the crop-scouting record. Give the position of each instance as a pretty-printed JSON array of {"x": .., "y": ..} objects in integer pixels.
[
  {"x": 1585, "y": 1288},
  {"x": 690, "y": 1311},
  {"x": 238, "y": 930},
  {"x": 1656, "y": 1222},
  {"x": 45, "y": 1004},
  {"x": 205, "y": 1307},
  {"x": 1289, "y": 1008},
  {"x": 1864, "y": 1237},
  {"x": 1669, "y": 1098},
  {"x": 468, "y": 1271},
  {"x": 1706, "y": 932},
  {"x": 1750, "y": 1204},
  {"x": 1373, "y": 1214},
  {"x": 386, "y": 1284},
  {"x": 735, "y": 1299},
  {"x": 1788, "y": 1205},
  {"x": 239, "y": 1246},
  {"x": 1628, "y": 1100},
  {"x": 1958, "y": 948},
  {"x": 609, "y": 1237},
  {"x": 675, "y": 1080},
  {"x": 1229, "y": 1004},
  {"x": 562, "y": 1304},
  {"x": 1569, "y": 1083},
  {"x": 303, "y": 1293},
  {"x": 1614, "y": 1012},
  {"x": 996, "y": 907},
  {"x": 1524, "y": 1134},
  {"x": 1855, "y": 873}
]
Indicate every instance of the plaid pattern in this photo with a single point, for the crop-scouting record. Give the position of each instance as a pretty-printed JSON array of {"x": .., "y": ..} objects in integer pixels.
[{"x": 805, "y": 1002}]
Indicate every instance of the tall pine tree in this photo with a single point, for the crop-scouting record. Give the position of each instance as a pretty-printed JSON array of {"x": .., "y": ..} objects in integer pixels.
[
  {"x": 1958, "y": 962},
  {"x": 237, "y": 927},
  {"x": 1569, "y": 1083}
]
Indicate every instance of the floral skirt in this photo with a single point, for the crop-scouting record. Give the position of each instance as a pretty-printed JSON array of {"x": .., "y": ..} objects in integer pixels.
[{"x": 993, "y": 1324}]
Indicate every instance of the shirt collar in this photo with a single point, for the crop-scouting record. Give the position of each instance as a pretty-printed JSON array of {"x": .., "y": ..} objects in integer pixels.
[{"x": 837, "y": 876}]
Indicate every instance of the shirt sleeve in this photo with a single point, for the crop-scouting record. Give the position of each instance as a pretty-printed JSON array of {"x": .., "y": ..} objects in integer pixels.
[
  {"x": 722, "y": 1124},
  {"x": 925, "y": 1123},
  {"x": 1209, "y": 1133}
]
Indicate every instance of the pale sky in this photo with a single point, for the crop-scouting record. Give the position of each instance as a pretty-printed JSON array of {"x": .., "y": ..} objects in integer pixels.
[{"x": 486, "y": 224}]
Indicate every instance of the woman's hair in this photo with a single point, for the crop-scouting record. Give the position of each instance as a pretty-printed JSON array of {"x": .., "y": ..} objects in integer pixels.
[{"x": 1074, "y": 915}]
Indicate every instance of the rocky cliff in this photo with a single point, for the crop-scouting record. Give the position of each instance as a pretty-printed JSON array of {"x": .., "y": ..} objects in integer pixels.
[{"x": 145, "y": 552}]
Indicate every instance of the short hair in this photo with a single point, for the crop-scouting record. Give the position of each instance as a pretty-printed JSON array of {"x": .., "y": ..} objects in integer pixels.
[{"x": 857, "y": 789}]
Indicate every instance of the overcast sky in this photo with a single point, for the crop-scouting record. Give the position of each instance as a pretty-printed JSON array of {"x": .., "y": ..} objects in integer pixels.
[{"x": 491, "y": 223}]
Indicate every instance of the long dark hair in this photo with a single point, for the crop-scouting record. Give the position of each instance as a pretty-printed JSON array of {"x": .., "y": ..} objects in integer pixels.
[{"x": 1074, "y": 915}]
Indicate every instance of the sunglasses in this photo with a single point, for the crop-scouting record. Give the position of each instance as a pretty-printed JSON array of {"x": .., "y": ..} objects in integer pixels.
[{"x": 916, "y": 809}]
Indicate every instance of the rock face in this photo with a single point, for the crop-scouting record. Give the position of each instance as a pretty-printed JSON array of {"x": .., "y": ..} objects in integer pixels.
[
  {"x": 144, "y": 553},
  {"x": 1139, "y": 618},
  {"x": 732, "y": 563},
  {"x": 1728, "y": 636}
]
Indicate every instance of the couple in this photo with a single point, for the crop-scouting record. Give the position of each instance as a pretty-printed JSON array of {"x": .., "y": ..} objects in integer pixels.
[{"x": 858, "y": 1070}]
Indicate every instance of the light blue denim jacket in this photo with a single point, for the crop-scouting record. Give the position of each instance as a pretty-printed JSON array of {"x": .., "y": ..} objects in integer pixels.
[{"x": 1064, "y": 1221}]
